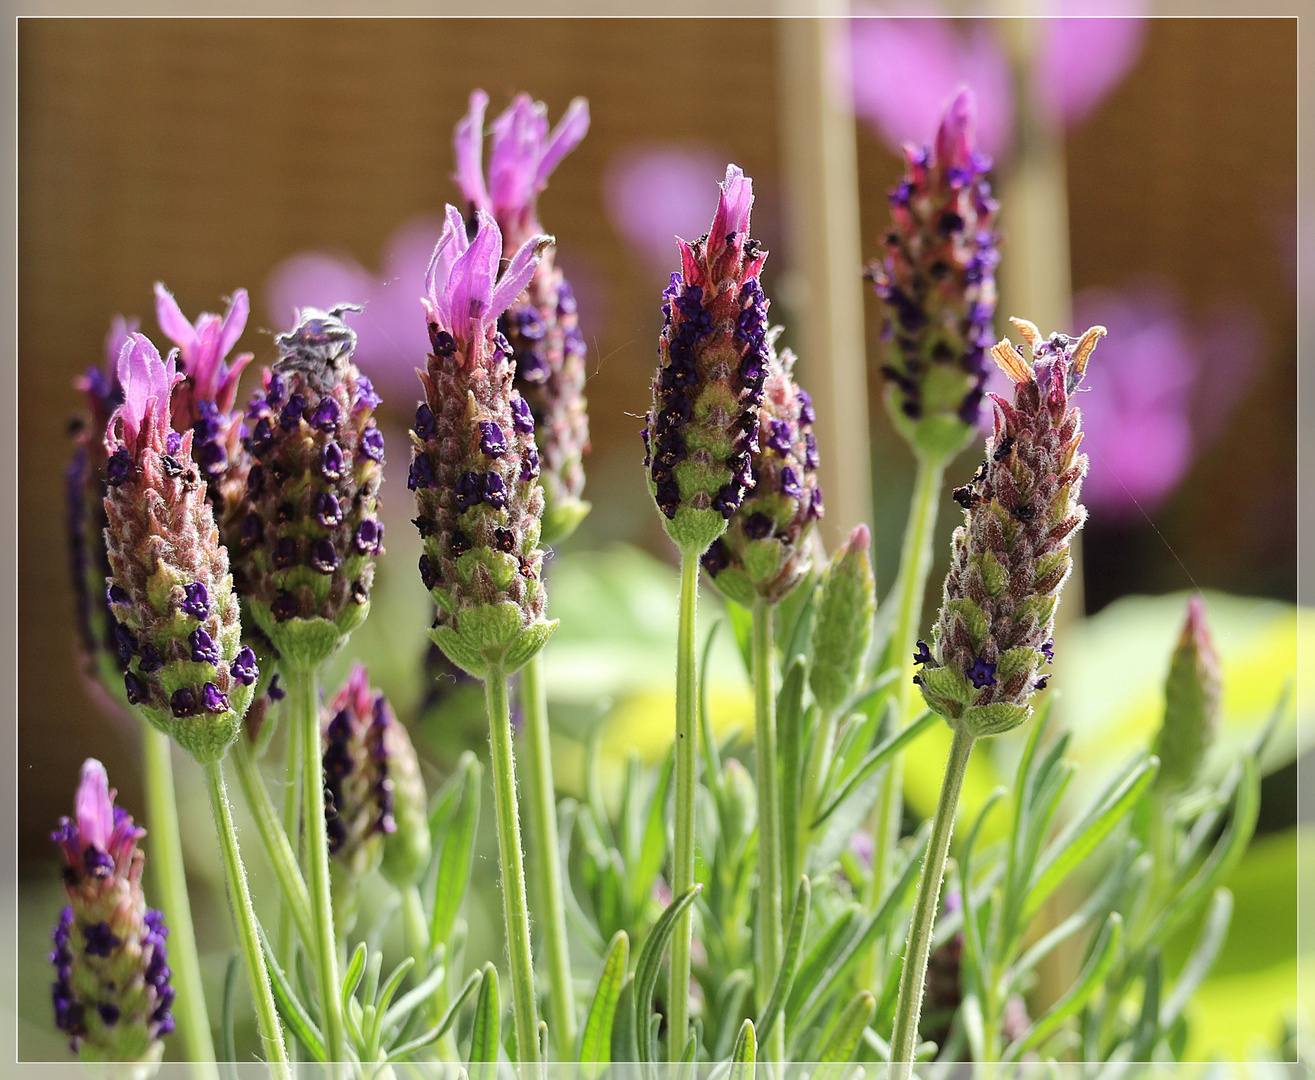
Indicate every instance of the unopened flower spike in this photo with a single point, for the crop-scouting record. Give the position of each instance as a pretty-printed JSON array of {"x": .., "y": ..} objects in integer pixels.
[
  {"x": 766, "y": 550},
  {"x": 85, "y": 488},
  {"x": 203, "y": 400},
  {"x": 304, "y": 525},
  {"x": 474, "y": 466},
  {"x": 1011, "y": 557},
  {"x": 170, "y": 592},
  {"x": 708, "y": 391},
  {"x": 936, "y": 282},
  {"x": 111, "y": 992},
  {"x": 1191, "y": 702},
  {"x": 842, "y": 626},
  {"x": 375, "y": 804},
  {"x": 542, "y": 326}
]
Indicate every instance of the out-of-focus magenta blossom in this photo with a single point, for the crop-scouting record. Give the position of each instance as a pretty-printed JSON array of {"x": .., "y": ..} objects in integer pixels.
[
  {"x": 659, "y": 191},
  {"x": 905, "y": 69},
  {"x": 1168, "y": 386},
  {"x": 522, "y": 157},
  {"x": 464, "y": 292}
]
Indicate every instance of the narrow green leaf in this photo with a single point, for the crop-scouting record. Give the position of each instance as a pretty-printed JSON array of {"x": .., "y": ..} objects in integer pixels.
[
  {"x": 820, "y": 956},
  {"x": 794, "y": 943},
  {"x": 457, "y": 854},
  {"x": 875, "y": 760},
  {"x": 1202, "y": 958},
  {"x": 1089, "y": 980},
  {"x": 742, "y": 1057},
  {"x": 653, "y": 847},
  {"x": 415, "y": 997},
  {"x": 649, "y": 965},
  {"x": 789, "y": 725},
  {"x": 848, "y": 1031},
  {"x": 1147, "y": 1032},
  {"x": 441, "y": 1028},
  {"x": 352, "y": 976},
  {"x": 707, "y": 739},
  {"x": 741, "y": 620},
  {"x": 483, "y": 1055},
  {"x": 293, "y": 1012},
  {"x": 596, "y": 1036},
  {"x": 625, "y": 1041},
  {"x": 385, "y": 998},
  {"x": 1073, "y": 846},
  {"x": 228, "y": 1043}
]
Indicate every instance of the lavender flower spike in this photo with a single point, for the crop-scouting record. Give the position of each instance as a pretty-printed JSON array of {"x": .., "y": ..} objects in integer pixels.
[
  {"x": 111, "y": 991},
  {"x": 1192, "y": 710},
  {"x": 304, "y": 525},
  {"x": 765, "y": 551},
  {"x": 542, "y": 326},
  {"x": 374, "y": 807},
  {"x": 937, "y": 286},
  {"x": 1010, "y": 558},
  {"x": 178, "y": 628},
  {"x": 713, "y": 356},
  {"x": 204, "y": 400},
  {"x": 474, "y": 467}
]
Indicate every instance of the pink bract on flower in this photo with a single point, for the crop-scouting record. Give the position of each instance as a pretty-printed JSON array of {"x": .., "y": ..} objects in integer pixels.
[
  {"x": 147, "y": 382},
  {"x": 204, "y": 347}
]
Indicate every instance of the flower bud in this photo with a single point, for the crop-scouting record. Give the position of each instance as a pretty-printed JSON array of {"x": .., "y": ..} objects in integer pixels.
[
  {"x": 937, "y": 286},
  {"x": 358, "y": 784},
  {"x": 713, "y": 356},
  {"x": 304, "y": 526},
  {"x": 1011, "y": 557},
  {"x": 541, "y": 326},
  {"x": 474, "y": 467},
  {"x": 1191, "y": 702},
  {"x": 842, "y": 626},
  {"x": 177, "y": 622},
  {"x": 765, "y": 551},
  {"x": 111, "y": 991}
]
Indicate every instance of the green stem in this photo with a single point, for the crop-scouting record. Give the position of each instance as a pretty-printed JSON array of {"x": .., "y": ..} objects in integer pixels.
[
  {"x": 904, "y": 1038},
  {"x": 244, "y": 918},
  {"x": 910, "y": 586},
  {"x": 278, "y": 849},
  {"x": 415, "y": 924},
  {"x": 292, "y": 830},
  {"x": 170, "y": 879},
  {"x": 322, "y": 945},
  {"x": 683, "y": 855},
  {"x": 819, "y": 763},
  {"x": 769, "y": 818},
  {"x": 515, "y": 907},
  {"x": 542, "y": 814}
]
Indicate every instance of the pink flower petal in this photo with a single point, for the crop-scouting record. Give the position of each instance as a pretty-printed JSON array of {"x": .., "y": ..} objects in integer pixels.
[
  {"x": 94, "y": 805},
  {"x": 470, "y": 153},
  {"x": 565, "y": 137},
  {"x": 517, "y": 275}
]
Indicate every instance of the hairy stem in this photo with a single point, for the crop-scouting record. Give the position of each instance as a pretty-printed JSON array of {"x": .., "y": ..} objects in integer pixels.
[
  {"x": 769, "y": 821},
  {"x": 683, "y": 855},
  {"x": 904, "y": 1038},
  {"x": 910, "y": 586},
  {"x": 322, "y": 945},
  {"x": 541, "y": 805},
  {"x": 287, "y": 945},
  {"x": 515, "y": 907},
  {"x": 171, "y": 881},
  {"x": 244, "y": 918}
]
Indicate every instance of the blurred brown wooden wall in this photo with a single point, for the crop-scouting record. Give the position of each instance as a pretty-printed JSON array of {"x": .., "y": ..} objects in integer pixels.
[{"x": 203, "y": 152}]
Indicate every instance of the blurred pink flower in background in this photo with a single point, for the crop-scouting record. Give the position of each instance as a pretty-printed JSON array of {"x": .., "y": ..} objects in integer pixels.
[
  {"x": 904, "y": 69},
  {"x": 655, "y": 192},
  {"x": 1166, "y": 388}
]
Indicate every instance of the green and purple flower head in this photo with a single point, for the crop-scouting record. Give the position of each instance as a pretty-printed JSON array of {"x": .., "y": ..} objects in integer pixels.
[
  {"x": 1011, "y": 556},
  {"x": 713, "y": 364},
  {"x": 765, "y": 551},
  {"x": 542, "y": 326},
  {"x": 936, "y": 282},
  {"x": 375, "y": 805},
  {"x": 177, "y": 627},
  {"x": 474, "y": 465},
  {"x": 111, "y": 992},
  {"x": 304, "y": 522}
]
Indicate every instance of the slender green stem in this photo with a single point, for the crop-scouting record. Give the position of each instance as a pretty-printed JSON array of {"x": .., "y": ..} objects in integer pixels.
[
  {"x": 683, "y": 855},
  {"x": 244, "y": 918},
  {"x": 541, "y": 805},
  {"x": 278, "y": 849},
  {"x": 322, "y": 946},
  {"x": 769, "y": 820},
  {"x": 291, "y": 829},
  {"x": 170, "y": 879},
  {"x": 819, "y": 763},
  {"x": 904, "y": 1038},
  {"x": 910, "y": 585},
  {"x": 415, "y": 924},
  {"x": 515, "y": 907}
]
